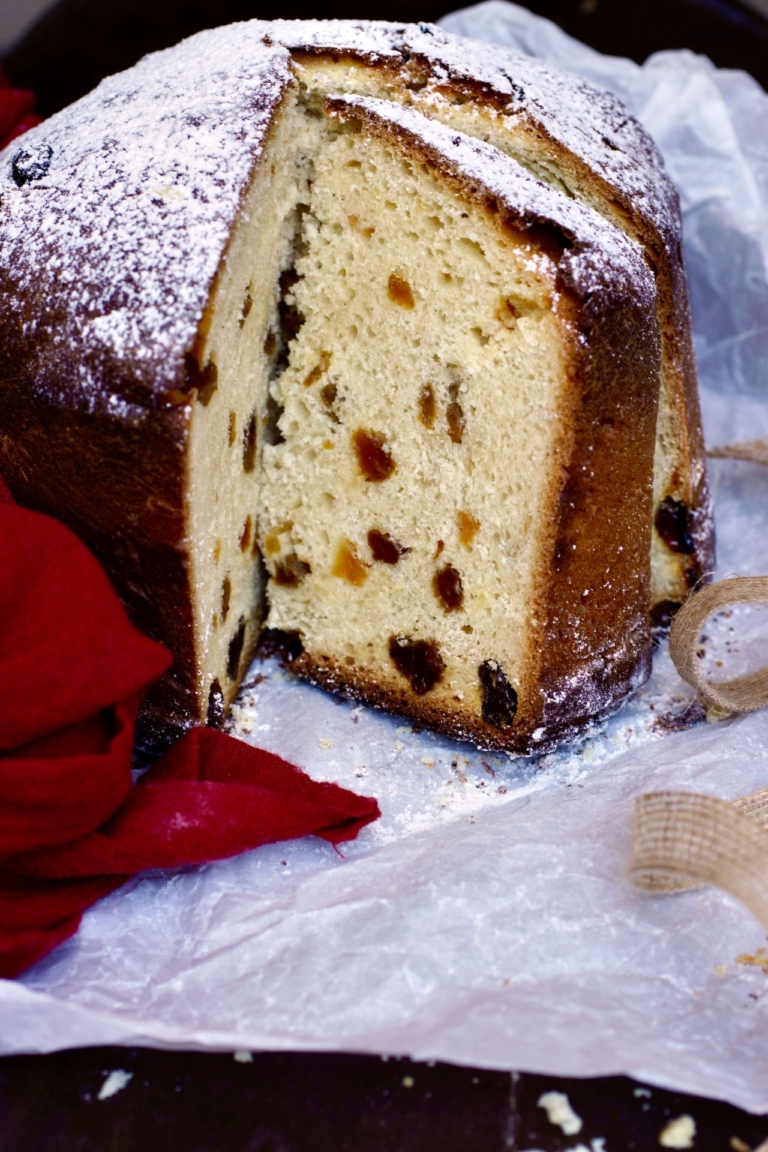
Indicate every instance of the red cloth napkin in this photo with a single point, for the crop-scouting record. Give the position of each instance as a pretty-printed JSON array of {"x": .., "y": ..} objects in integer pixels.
[
  {"x": 16, "y": 114},
  {"x": 72, "y": 826}
]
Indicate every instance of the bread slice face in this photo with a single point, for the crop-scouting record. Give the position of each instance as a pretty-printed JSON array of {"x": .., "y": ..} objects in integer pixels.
[
  {"x": 583, "y": 142},
  {"x": 425, "y": 517},
  {"x": 239, "y": 346}
]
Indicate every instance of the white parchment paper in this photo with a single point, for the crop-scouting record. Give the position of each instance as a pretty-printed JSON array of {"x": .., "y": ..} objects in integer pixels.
[{"x": 486, "y": 919}]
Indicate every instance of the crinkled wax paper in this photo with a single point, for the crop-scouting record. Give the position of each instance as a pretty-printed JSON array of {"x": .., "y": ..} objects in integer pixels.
[{"x": 486, "y": 918}]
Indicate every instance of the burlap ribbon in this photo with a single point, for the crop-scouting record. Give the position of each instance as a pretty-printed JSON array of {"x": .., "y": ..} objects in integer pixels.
[
  {"x": 683, "y": 839},
  {"x": 754, "y": 450}
]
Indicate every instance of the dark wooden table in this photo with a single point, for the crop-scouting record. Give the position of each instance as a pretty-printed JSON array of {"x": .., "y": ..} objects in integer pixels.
[
  {"x": 317, "y": 1102},
  {"x": 300, "y": 1102}
]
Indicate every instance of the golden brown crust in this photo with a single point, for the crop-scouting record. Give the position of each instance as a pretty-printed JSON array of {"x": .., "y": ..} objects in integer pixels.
[
  {"x": 124, "y": 497},
  {"x": 596, "y": 642}
]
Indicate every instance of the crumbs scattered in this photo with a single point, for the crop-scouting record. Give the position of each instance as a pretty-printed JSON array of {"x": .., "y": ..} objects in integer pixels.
[
  {"x": 694, "y": 714},
  {"x": 558, "y": 1109},
  {"x": 114, "y": 1083},
  {"x": 757, "y": 959},
  {"x": 678, "y": 1133},
  {"x": 324, "y": 742}
]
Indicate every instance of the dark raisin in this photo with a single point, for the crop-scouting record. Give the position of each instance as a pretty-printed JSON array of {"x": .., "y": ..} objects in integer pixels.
[
  {"x": 247, "y": 305},
  {"x": 384, "y": 548},
  {"x": 328, "y": 395},
  {"x": 499, "y": 697},
  {"x": 203, "y": 379},
  {"x": 427, "y": 406},
  {"x": 232, "y": 428},
  {"x": 373, "y": 459},
  {"x": 399, "y": 291},
  {"x": 31, "y": 163},
  {"x": 208, "y": 383},
  {"x": 245, "y": 535},
  {"x": 236, "y": 650},
  {"x": 249, "y": 445},
  {"x": 226, "y": 594},
  {"x": 447, "y": 586},
  {"x": 270, "y": 343},
  {"x": 454, "y": 414},
  {"x": 215, "y": 705},
  {"x": 673, "y": 525},
  {"x": 418, "y": 660},
  {"x": 290, "y": 571}
]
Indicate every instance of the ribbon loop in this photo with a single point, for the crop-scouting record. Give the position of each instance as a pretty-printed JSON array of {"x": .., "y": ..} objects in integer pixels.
[
  {"x": 755, "y": 451},
  {"x": 742, "y": 693},
  {"x": 683, "y": 840}
]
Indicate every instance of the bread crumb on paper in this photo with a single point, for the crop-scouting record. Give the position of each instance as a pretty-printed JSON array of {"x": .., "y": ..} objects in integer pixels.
[
  {"x": 114, "y": 1083},
  {"x": 758, "y": 960},
  {"x": 558, "y": 1109},
  {"x": 678, "y": 1133}
]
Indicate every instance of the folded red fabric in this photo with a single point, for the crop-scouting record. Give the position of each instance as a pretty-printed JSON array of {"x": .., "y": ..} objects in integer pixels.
[
  {"x": 72, "y": 825},
  {"x": 16, "y": 111}
]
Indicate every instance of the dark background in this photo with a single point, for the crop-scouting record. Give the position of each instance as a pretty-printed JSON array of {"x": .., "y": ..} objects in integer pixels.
[
  {"x": 80, "y": 41},
  {"x": 315, "y": 1102}
]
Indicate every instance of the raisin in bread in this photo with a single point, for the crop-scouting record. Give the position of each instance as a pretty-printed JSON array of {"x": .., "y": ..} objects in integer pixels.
[{"x": 338, "y": 348}]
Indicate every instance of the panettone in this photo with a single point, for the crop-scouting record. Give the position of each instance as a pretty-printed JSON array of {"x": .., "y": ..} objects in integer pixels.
[{"x": 333, "y": 322}]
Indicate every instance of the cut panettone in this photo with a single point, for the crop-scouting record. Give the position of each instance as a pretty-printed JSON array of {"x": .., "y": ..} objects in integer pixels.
[
  {"x": 339, "y": 349},
  {"x": 583, "y": 142},
  {"x": 455, "y": 508}
]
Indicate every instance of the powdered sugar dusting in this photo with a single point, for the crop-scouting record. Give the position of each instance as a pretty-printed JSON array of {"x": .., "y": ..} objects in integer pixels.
[
  {"x": 108, "y": 259},
  {"x": 589, "y": 122}
]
